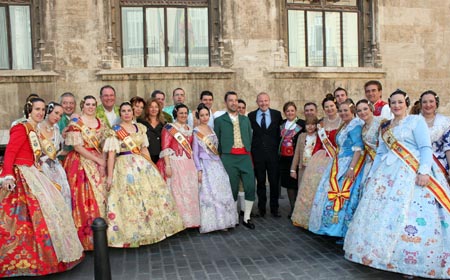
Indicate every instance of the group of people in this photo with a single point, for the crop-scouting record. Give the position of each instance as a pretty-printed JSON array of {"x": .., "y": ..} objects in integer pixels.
[
  {"x": 365, "y": 173},
  {"x": 377, "y": 178}
]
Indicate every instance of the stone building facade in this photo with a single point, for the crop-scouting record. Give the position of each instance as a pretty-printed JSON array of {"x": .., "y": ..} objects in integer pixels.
[{"x": 78, "y": 46}]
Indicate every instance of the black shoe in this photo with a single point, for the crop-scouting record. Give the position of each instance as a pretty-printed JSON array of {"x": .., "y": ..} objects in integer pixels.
[
  {"x": 248, "y": 224},
  {"x": 276, "y": 215},
  {"x": 262, "y": 213}
]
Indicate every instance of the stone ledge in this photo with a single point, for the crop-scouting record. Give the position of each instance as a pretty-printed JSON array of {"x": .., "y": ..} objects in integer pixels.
[
  {"x": 165, "y": 73},
  {"x": 327, "y": 73},
  {"x": 27, "y": 76}
]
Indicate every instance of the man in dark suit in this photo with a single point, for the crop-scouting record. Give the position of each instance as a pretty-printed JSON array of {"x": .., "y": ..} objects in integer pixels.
[{"x": 265, "y": 142}]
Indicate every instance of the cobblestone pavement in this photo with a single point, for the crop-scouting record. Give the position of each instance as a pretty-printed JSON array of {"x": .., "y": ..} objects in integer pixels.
[{"x": 274, "y": 250}]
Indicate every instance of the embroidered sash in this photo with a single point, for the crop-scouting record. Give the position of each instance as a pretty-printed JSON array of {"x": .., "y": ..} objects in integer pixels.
[
  {"x": 331, "y": 150},
  {"x": 179, "y": 138},
  {"x": 439, "y": 193},
  {"x": 87, "y": 133},
  {"x": 48, "y": 147},
  {"x": 36, "y": 147},
  {"x": 369, "y": 151},
  {"x": 340, "y": 195},
  {"x": 34, "y": 141},
  {"x": 207, "y": 142},
  {"x": 123, "y": 135},
  {"x": 439, "y": 164}
]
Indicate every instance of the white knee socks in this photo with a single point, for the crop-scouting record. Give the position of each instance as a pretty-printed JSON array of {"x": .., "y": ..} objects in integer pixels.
[{"x": 248, "y": 210}]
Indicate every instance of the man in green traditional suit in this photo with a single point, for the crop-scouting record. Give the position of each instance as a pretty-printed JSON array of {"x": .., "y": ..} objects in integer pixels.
[
  {"x": 108, "y": 112},
  {"x": 235, "y": 137},
  {"x": 68, "y": 103}
]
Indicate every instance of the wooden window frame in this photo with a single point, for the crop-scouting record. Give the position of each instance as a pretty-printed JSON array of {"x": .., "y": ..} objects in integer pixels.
[{"x": 7, "y": 4}]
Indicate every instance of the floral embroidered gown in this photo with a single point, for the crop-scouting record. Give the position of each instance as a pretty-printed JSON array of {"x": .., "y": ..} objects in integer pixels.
[
  {"x": 88, "y": 189},
  {"x": 321, "y": 221},
  {"x": 399, "y": 226},
  {"x": 140, "y": 208},
  {"x": 37, "y": 233},
  {"x": 217, "y": 208},
  {"x": 53, "y": 169},
  {"x": 184, "y": 180},
  {"x": 310, "y": 180}
]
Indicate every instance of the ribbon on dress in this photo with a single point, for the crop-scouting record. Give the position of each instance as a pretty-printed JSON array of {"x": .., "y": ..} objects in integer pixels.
[
  {"x": 331, "y": 150},
  {"x": 179, "y": 138},
  {"x": 87, "y": 134},
  {"x": 208, "y": 143},
  {"x": 340, "y": 195},
  {"x": 126, "y": 138},
  {"x": 48, "y": 146},
  {"x": 34, "y": 141},
  {"x": 369, "y": 151},
  {"x": 439, "y": 164},
  {"x": 439, "y": 192},
  {"x": 37, "y": 150}
]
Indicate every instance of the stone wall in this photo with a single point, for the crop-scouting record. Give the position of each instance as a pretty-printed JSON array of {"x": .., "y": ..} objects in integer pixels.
[{"x": 77, "y": 53}]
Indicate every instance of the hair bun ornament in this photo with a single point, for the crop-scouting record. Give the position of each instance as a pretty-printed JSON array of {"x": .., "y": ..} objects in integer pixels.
[{"x": 329, "y": 95}]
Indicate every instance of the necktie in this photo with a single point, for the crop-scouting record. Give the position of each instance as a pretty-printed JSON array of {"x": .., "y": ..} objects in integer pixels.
[{"x": 263, "y": 121}]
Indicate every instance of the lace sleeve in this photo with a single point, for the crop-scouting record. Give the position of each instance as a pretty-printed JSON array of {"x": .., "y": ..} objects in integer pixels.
[
  {"x": 74, "y": 138},
  {"x": 111, "y": 144}
]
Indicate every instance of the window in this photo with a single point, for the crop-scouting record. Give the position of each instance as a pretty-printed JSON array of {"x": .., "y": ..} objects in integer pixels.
[
  {"x": 323, "y": 33},
  {"x": 171, "y": 35},
  {"x": 15, "y": 37}
]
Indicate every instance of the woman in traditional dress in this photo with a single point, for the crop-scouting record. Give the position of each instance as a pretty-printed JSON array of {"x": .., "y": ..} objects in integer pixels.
[
  {"x": 217, "y": 207},
  {"x": 322, "y": 155},
  {"x": 37, "y": 233},
  {"x": 290, "y": 129},
  {"x": 338, "y": 193},
  {"x": 140, "y": 208},
  {"x": 51, "y": 142},
  {"x": 178, "y": 167},
  {"x": 402, "y": 221},
  {"x": 85, "y": 167},
  {"x": 307, "y": 143},
  {"x": 439, "y": 126},
  {"x": 154, "y": 122},
  {"x": 370, "y": 133}
]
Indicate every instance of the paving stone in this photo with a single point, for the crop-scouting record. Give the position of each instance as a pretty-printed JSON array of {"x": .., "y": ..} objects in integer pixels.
[{"x": 274, "y": 250}]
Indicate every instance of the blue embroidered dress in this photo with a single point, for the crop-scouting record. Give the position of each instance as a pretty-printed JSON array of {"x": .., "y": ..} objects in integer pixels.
[
  {"x": 348, "y": 140},
  {"x": 440, "y": 138},
  {"x": 399, "y": 226}
]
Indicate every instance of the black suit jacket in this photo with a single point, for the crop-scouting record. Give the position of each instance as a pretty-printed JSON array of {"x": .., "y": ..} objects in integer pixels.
[{"x": 265, "y": 140}]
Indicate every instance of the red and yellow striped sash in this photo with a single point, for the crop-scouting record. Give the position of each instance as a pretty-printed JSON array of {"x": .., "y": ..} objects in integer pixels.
[
  {"x": 441, "y": 194},
  {"x": 340, "y": 195}
]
